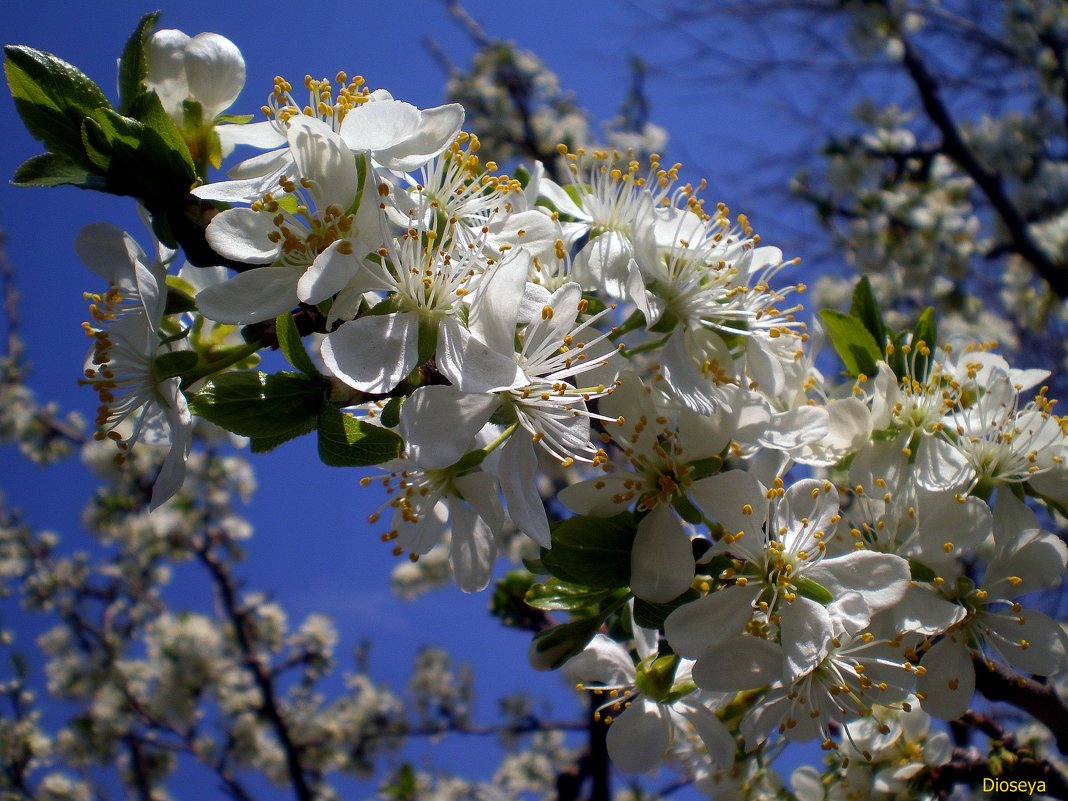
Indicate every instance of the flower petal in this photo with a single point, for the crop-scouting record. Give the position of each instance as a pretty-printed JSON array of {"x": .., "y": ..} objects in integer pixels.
[
  {"x": 373, "y": 353},
  {"x": 661, "y": 561},
  {"x": 251, "y": 296}
]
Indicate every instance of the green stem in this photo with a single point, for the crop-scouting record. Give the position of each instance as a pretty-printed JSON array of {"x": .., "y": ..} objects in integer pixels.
[
  {"x": 500, "y": 440},
  {"x": 228, "y": 357},
  {"x": 636, "y": 320},
  {"x": 645, "y": 347}
]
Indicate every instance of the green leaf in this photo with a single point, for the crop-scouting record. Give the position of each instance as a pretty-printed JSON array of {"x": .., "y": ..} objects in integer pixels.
[
  {"x": 391, "y": 413},
  {"x": 559, "y": 596},
  {"x": 52, "y": 97},
  {"x": 256, "y": 404},
  {"x": 265, "y": 444},
  {"x": 292, "y": 346},
  {"x": 345, "y": 441},
  {"x": 926, "y": 333},
  {"x": 178, "y": 300},
  {"x": 650, "y": 615},
  {"x": 54, "y": 169},
  {"x": 133, "y": 65},
  {"x": 853, "y": 343},
  {"x": 175, "y": 363},
  {"x": 147, "y": 160},
  {"x": 593, "y": 551},
  {"x": 866, "y": 308},
  {"x": 552, "y": 647}
]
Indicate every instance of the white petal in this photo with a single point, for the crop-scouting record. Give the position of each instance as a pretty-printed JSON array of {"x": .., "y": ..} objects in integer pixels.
[
  {"x": 426, "y": 532},
  {"x": 719, "y": 742},
  {"x": 473, "y": 550},
  {"x": 323, "y": 159},
  {"x": 328, "y": 274},
  {"x": 940, "y": 466},
  {"x": 172, "y": 473},
  {"x": 1046, "y": 651},
  {"x": 806, "y": 630},
  {"x": 638, "y": 738},
  {"x": 373, "y": 353},
  {"x": 215, "y": 71},
  {"x": 439, "y": 424},
  {"x": 165, "y": 53},
  {"x": 251, "y": 296},
  {"x": 496, "y": 301},
  {"x": 480, "y": 490},
  {"x": 743, "y": 663},
  {"x": 242, "y": 235},
  {"x": 436, "y": 129},
  {"x": 379, "y": 125},
  {"x": 948, "y": 681},
  {"x": 603, "y": 661},
  {"x": 880, "y": 578},
  {"x": 719, "y": 616},
  {"x": 661, "y": 561},
  {"x": 519, "y": 482},
  {"x": 472, "y": 365}
]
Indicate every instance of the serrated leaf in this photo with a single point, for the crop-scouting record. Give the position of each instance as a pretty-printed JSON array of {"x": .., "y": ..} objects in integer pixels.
[
  {"x": 866, "y": 308},
  {"x": 52, "y": 98},
  {"x": 560, "y": 596},
  {"x": 853, "y": 343},
  {"x": 649, "y": 615},
  {"x": 345, "y": 441},
  {"x": 592, "y": 551},
  {"x": 265, "y": 444},
  {"x": 133, "y": 64},
  {"x": 256, "y": 404},
  {"x": 55, "y": 169},
  {"x": 292, "y": 346}
]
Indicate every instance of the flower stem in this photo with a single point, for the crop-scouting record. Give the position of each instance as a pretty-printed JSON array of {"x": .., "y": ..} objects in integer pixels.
[{"x": 229, "y": 356}]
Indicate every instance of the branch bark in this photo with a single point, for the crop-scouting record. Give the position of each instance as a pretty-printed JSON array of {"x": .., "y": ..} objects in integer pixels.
[
  {"x": 988, "y": 181},
  {"x": 1039, "y": 700}
]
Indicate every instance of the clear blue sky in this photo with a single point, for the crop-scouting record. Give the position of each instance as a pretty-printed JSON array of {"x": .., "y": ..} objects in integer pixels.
[{"x": 311, "y": 548}]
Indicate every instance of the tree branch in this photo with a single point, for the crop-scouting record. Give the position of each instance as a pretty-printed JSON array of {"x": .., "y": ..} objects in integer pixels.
[
  {"x": 997, "y": 683},
  {"x": 988, "y": 181}
]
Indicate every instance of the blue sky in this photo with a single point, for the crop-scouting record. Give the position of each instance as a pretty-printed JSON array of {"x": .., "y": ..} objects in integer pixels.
[{"x": 311, "y": 549}]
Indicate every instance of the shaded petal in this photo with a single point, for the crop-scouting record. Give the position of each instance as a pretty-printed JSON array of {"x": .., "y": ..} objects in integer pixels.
[
  {"x": 374, "y": 353},
  {"x": 473, "y": 550},
  {"x": 719, "y": 616},
  {"x": 439, "y": 424},
  {"x": 471, "y": 364},
  {"x": 948, "y": 681},
  {"x": 215, "y": 71},
  {"x": 323, "y": 160},
  {"x": 661, "y": 561},
  {"x": 881, "y": 578},
  {"x": 603, "y": 661},
  {"x": 743, "y": 663},
  {"x": 328, "y": 274},
  {"x": 806, "y": 630},
  {"x": 638, "y": 738},
  {"x": 519, "y": 482},
  {"x": 251, "y": 296},
  {"x": 243, "y": 235}
]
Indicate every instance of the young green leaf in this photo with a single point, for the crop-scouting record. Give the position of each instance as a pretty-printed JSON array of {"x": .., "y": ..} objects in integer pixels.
[
  {"x": 926, "y": 333},
  {"x": 559, "y": 596},
  {"x": 866, "y": 308},
  {"x": 292, "y": 346},
  {"x": 133, "y": 65},
  {"x": 52, "y": 97},
  {"x": 592, "y": 551},
  {"x": 256, "y": 404},
  {"x": 853, "y": 343},
  {"x": 54, "y": 169},
  {"x": 265, "y": 444},
  {"x": 345, "y": 441}
]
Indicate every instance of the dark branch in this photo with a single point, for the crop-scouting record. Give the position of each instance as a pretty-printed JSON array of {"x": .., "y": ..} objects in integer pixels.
[
  {"x": 988, "y": 181},
  {"x": 1040, "y": 700}
]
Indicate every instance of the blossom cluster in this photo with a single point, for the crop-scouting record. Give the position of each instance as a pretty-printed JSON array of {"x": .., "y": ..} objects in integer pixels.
[{"x": 758, "y": 551}]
